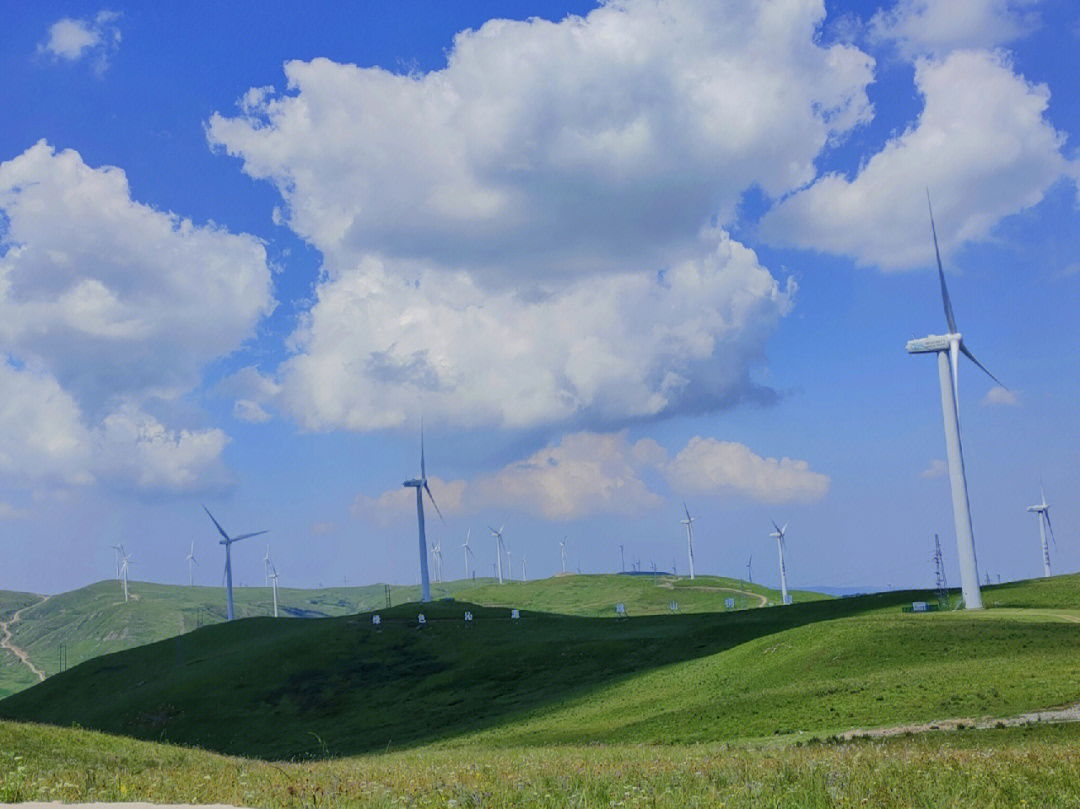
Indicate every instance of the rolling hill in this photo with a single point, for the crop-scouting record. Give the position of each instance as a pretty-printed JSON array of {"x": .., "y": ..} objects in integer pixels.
[
  {"x": 281, "y": 689},
  {"x": 95, "y": 620}
]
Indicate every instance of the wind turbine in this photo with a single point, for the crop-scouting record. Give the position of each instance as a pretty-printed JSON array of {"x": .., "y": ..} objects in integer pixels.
[
  {"x": 524, "y": 569},
  {"x": 436, "y": 553},
  {"x": 562, "y": 550},
  {"x": 1043, "y": 510},
  {"x": 948, "y": 348},
  {"x": 509, "y": 565},
  {"x": 191, "y": 559},
  {"x": 266, "y": 567},
  {"x": 421, "y": 486},
  {"x": 779, "y": 537},
  {"x": 468, "y": 551},
  {"x": 499, "y": 548},
  {"x": 750, "y": 569},
  {"x": 227, "y": 541},
  {"x": 273, "y": 581},
  {"x": 689, "y": 523},
  {"x": 124, "y": 558}
]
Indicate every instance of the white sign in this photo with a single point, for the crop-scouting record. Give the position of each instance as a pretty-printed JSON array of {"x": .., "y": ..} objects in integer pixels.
[
  {"x": 515, "y": 614},
  {"x": 375, "y": 619},
  {"x": 468, "y": 615},
  {"x": 620, "y": 609},
  {"x": 729, "y": 603},
  {"x": 421, "y": 619},
  {"x": 919, "y": 606}
]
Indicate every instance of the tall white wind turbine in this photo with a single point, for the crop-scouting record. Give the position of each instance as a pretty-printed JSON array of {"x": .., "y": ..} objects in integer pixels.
[
  {"x": 498, "y": 548},
  {"x": 421, "y": 486},
  {"x": 779, "y": 537},
  {"x": 689, "y": 523},
  {"x": 948, "y": 348},
  {"x": 227, "y": 541},
  {"x": 562, "y": 551},
  {"x": 191, "y": 560},
  {"x": 436, "y": 555},
  {"x": 1043, "y": 512},
  {"x": 468, "y": 552},
  {"x": 119, "y": 551}
]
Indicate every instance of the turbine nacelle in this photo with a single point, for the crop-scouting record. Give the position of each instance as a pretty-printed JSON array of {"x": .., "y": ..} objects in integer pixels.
[{"x": 932, "y": 344}]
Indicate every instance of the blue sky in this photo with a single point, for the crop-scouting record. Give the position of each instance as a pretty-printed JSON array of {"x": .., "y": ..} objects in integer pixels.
[{"x": 616, "y": 256}]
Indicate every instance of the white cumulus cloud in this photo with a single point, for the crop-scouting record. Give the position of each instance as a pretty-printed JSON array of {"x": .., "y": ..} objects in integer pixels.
[
  {"x": 107, "y": 304},
  {"x": 95, "y": 38},
  {"x": 936, "y": 469},
  {"x": 921, "y": 27},
  {"x": 983, "y": 147},
  {"x": 589, "y": 473},
  {"x": 535, "y": 233},
  {"x": 1000, "y": 396}
]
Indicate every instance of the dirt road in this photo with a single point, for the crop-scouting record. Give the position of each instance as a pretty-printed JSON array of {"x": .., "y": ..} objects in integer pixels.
[{"x": 5, "y": 640}]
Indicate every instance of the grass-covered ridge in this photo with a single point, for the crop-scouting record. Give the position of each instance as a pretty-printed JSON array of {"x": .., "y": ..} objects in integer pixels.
[
  {"x": 95, "y": 620},
  {"x": 341, "y": 686}
]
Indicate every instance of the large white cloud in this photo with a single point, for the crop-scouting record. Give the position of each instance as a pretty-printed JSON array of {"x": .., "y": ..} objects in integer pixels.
[
  {"x": 106, "y": 304},
  {"x": 983, "y": 147},
  {"x": 921, "y": 27},
  {"x": 535, "y": 233},
  {"x": 555, "y": 148},
  {"x": 588, "y": 473}
]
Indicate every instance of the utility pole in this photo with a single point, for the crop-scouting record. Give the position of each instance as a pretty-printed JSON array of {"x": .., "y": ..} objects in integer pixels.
[{"x": 941, "y": 584}]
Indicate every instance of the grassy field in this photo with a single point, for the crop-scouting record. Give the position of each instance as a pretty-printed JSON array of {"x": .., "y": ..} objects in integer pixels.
[
  {"x": 95, "y": 620},
  {"x": 341, "y": 686},
  {"x": 1037, "y": 766}
]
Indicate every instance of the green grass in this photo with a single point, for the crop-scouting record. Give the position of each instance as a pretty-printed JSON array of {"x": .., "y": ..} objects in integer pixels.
[
  {"x": 95, "y": 620},
  {"x": 1016, "y": 767}
]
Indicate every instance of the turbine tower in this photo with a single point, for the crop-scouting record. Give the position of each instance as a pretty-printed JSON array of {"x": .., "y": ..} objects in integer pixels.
[
  {"x": 266, "y": 567},
  {"x": 1043, "y": 512},
  {"x": 119, "y": 550},
  {"x": 468, "y": 552},
  {"x": 190, "y": 560},
  {"x": 689, "y": 523},
  {"x": 948, "y": 348},
  {"x": 524, "y": 569},
  {"x": 779, "y": 537},
  {"x": 421, "y": 486},
  {"x": 273, "y": 581},
  {"x": 227, "y": 541},
  {"x": 499, "y": 548},
  {"x": 562, "y": 551}
]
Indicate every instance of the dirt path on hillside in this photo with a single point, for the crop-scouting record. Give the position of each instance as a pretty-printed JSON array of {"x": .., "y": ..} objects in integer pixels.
[
  {"x": 1070, "y": 713},
  {"x": 5, "y": 641},
  {"x": 762, "y": 600}
]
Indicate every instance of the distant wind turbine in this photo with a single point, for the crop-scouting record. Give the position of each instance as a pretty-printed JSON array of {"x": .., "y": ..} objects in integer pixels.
[
  {"x": 524, "y": 569},
  {"x": 468, "y": 551},
  {"x": 266, "y": 567},
  {"x": 499, "y": 549},
  {"x": 509, "y": 565},
  {"x": 421, "y": 486},
  {"x": 227, "y": 541},
  {"x": 436, "y": 555},
  {"x": 124, "y": 559},
  {"x": 948, "y": 348},
  {"x": 1043, "y": 512},
  {"x": 750, "y": 569},
  {"x": 191, "y": 560},
  {"x": 689, "y": 523},
  {"x": 119, "y": 549},
  {"x": 562, "y": 551},
  {"x": 779, "y": 537},
  {"x": 273, "y": 581}
]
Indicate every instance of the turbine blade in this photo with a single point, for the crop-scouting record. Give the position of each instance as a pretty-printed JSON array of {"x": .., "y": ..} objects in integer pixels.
[
  {"x": 949, "y": 317},
  {"x": 783, "y": 530},
  {"x": 432, "y": 499},
  {"x": 247, "y": 536},
  {"x": 216, "y": 523},
  {"x": 423, "y": 472},
  {"x": 967, "y": 353},
  {"x": 777, "y": 527},
  {"x": 1049, "y": 527}
]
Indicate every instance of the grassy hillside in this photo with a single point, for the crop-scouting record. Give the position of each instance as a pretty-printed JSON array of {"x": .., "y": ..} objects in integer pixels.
[
  {"x": 1033, "y": 766},
  {"x": 287, "y": 688},
  {"x": 95, "y": 620}
]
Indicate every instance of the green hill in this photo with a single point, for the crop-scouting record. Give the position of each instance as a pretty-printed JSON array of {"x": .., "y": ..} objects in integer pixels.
[
  {"x": 95, "y": 620},
  {"x": 286, "y": 688}
]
